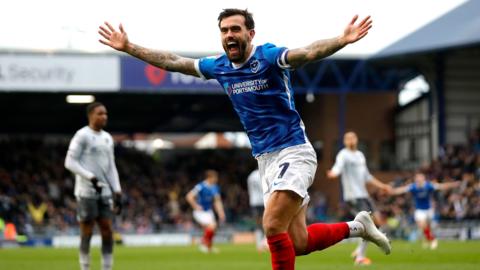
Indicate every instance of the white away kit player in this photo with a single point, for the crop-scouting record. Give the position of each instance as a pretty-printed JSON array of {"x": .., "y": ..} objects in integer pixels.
[
  {"x": 97, "y": 187},
  {"x": 255, "y": 195},
  {"x": 351, "y": 166}
]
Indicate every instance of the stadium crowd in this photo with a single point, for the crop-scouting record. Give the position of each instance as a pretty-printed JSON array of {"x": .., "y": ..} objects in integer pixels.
[
  {"x": 455, "y": 163},
  {"x": 36, "y": 191}
]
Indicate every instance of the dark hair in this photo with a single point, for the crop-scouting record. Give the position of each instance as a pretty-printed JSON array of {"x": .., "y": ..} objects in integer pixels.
[
  {"x": 92, "y": 107},
  {"x": 211, "y": 173},
  {"x": 249, "y": 23}
]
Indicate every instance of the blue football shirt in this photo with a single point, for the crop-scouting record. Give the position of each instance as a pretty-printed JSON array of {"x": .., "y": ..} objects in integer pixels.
[
  {"x": 262, "y": 96},
  {"x": 206, "y": 194},
  {"x": 422, "y": 195}
]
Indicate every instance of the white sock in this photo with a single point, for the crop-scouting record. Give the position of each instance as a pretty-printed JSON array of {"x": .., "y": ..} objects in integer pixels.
[
  {"x": 107, "y": 261},
  {"x": 84, "y": 260},
  {"x": 259, "y": 237},
  {"x": 356, "y": 229},
  {"x": 362, "y": 249}
]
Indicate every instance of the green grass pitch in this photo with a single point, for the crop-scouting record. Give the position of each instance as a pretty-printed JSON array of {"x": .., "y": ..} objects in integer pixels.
[{"x": 405, "y": 256}]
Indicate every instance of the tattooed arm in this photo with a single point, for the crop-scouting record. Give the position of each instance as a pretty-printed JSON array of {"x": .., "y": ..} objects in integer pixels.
[
  {"x": 323, "y": 48},
  {"x": 118, "y": 40}
]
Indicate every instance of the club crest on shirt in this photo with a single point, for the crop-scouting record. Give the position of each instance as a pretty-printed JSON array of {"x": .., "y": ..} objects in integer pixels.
[{"x": 254, "y": 66}]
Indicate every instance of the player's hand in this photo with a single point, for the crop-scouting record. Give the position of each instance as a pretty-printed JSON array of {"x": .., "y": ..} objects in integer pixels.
[
  {"x": 353, "y": 33},
  {"x": 117, "y": 203},
  {"x": 96, "y": 185},
  {"x": 113, "y": 38},
  {"x": 387, "y": 189},
  {"x": 222, "y": 218}
]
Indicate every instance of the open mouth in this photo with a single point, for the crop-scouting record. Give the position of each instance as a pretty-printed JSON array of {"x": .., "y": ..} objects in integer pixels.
[{"x": 233, "y": 47}]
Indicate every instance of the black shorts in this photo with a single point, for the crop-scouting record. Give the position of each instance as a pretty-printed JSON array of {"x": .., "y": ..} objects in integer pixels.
[
  {"x": 92, "y": 209},
  {"x": 358, "y": 205}
]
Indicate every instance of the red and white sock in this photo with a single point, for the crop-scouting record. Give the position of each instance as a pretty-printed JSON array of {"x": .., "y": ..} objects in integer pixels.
[
  {"x": 321, "y": 236},
  {"x": 282, "y": 252}
]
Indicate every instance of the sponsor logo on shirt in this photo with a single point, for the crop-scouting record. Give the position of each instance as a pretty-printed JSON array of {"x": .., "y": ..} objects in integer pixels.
[{"x": 246, "y": 86}]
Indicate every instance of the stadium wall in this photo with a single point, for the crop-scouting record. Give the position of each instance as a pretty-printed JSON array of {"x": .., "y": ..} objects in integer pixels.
[{"x": 462, "y": 94}]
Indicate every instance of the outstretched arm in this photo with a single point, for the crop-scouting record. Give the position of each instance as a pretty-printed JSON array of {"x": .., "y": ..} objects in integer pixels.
[
  {"x": 378, "y": 184},
  {"x": 323, "y": 48},
  {"x": 445, "y": 186},
  {"x": 399, "y": 190},
  {"x": 118, "y": 40}
]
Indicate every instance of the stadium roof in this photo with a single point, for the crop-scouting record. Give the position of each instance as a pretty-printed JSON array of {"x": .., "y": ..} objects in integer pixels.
[{"x": 460, "y": 27}]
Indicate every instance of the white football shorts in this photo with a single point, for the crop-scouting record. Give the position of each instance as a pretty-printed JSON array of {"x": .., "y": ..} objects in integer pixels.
[
  {"x": 203, "y": 217},
  {"x": 423, "y": 215},
  {"x": 292, "y": 168}
]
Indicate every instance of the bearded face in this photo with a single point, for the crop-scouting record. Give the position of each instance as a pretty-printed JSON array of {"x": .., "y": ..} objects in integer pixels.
[
  {"x": 235, "y": 48},
  {"x": 236, "y": 38}
]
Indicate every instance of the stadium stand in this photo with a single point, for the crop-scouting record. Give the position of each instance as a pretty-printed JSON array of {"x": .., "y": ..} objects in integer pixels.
[{"x": 36, "y": 192}]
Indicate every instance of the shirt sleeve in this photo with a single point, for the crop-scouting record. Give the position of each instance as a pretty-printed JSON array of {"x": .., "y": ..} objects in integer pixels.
[
  {"x": 113, "y": 173},
  {"x": 276, "y": 55},
  {"x": 196, "y": 189},
  {"x": 411, "y": 188},
  {"x": 368, "y": 176},
  {"x": 74, "y": 153},
  {"x": 204, "y": 67},
  {"x": 339, "y": 163}
]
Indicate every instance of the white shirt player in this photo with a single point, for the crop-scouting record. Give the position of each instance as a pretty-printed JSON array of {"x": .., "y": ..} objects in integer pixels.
[
  {"x": 255, "y": 190},
  {"x": 352, "y": 166},
  {"x": 89, "y": 155}
]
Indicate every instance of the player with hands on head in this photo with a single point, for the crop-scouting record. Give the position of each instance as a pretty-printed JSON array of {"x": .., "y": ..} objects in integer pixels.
[{"x": 256, "y": 78}]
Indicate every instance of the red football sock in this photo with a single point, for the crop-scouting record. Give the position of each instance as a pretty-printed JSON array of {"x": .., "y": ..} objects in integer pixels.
[
  {"x": 428, "y": 234},
  {"x": 321, "y": 236},
  {"x": 282, "y": 252},
  {"x": 208, "y": 237}
]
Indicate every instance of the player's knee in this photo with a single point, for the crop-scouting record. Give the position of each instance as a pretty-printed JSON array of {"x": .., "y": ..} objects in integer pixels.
[
  {"x": 86, "y": 227},
  {"x": 273, "y": 226},
  {"x": 106, "y": 233},
  {"x": 86, "y": 234},
  {"x": 421, "y": 224}
]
